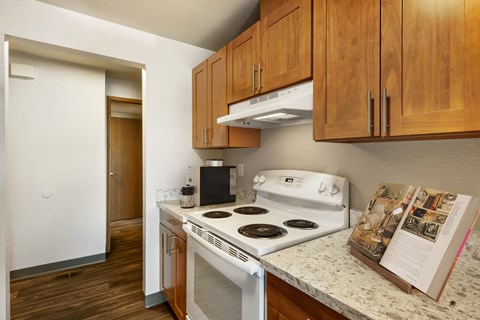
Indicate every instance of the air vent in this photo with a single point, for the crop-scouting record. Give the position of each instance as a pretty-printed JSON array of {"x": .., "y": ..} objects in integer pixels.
[
  {"x": 197, "y": 230},
  {"x": 263, "y": 98},
  {"x": 273, "y": 95},
  {"x": 221, "y": 244},
  {"x": 211, "y": 239},
  {"x": 233, "y": 252},
  {"x": 242, "y": 257}
]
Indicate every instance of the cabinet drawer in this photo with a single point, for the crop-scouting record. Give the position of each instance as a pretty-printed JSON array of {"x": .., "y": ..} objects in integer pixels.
[{"x": 172, "y": 224}]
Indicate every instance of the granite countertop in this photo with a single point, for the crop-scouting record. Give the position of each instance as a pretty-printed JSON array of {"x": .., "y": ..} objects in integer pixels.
[{"x": 324, "y": 269}]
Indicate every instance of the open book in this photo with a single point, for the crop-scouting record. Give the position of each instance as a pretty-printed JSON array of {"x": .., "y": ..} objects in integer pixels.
[{"x": 415, "y": 232}]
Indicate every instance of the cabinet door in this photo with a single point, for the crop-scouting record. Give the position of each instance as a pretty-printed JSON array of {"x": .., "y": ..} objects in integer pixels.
[
  {"x": 199, "y": 105},
  {"x": 167, "y": 264},
  {"x": 180, "y": 278},
  {"x": 287, "y": 302},
  {"x": 430, "y": 66},
  {"x": 209, "y": 103},
  {"x": 217, "y": 101},
  {"x": 243, "y": 57},
  {"x": 273, "y": 314},
  {"x": 346, "y": 68},
  {"x": 286, "y": 45},
  {"x": 268, "y": 6}
]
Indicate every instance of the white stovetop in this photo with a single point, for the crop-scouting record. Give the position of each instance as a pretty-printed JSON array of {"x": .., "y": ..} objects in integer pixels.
[{"x": 329, "y": 221}]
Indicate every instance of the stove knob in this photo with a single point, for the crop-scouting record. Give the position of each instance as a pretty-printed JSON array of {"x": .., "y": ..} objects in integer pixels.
[
  {"x": 333, "y": 189},
  {"x": 256, "y": 179},
  {"x": 322, "y": 187},
  {"x": 262, "y": 179}
]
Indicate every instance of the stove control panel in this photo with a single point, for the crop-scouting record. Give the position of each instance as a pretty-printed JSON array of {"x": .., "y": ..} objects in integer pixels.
[
  {"x": 289, "y": 182},
  {"x": 305, "y": 185}
]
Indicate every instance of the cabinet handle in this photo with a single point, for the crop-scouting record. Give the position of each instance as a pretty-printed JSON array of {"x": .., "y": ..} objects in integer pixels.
[
  {"x": 253, "y": 78},
  {"x": 206, "y": 136},
  {"x": 172, "y": 244},
  {"x": 260, "y": 77},
  {"x": 384, "y": 112},
  {"x": 369, "y": 112},
  {"x": 167, "y": 247}
]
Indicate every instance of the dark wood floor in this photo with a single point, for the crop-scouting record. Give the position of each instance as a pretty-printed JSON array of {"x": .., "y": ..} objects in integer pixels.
[{"x": 110, "y": 290}]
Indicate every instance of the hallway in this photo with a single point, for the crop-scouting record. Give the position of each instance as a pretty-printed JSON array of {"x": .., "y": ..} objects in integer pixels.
[{"x": 110, "y": 290}]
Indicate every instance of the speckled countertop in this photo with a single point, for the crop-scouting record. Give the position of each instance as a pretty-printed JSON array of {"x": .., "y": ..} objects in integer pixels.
[{"x": 324, "y": 269}]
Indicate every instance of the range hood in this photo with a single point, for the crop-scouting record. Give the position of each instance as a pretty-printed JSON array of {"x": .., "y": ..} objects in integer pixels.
[{"x": 289, "y": 106}]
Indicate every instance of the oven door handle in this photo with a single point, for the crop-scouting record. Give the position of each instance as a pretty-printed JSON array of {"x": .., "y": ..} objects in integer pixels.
[{"x": 249, "y": 267}]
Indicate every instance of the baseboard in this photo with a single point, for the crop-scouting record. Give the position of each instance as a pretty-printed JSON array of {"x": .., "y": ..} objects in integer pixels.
[
  {"x": 154, "y": 299},
  {"x": 56, "y": 266}
]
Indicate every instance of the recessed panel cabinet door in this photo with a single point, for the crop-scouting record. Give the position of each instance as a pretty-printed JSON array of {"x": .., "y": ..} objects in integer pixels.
[
  {"x": 199, "y": 106},
  {"x": 243, "y": 56},
  {"x": 180, "y": 278},
  {"x": 286, "y": 45},
  {"x": 346, "y": 69},
  {"x": 431, "y": 66},
  {"x": 217, "y": 100},
  {"x": 168, "y": 264}
]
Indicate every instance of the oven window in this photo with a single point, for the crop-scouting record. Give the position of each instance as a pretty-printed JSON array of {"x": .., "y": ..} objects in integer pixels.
[{"x": 217, "y": 296}]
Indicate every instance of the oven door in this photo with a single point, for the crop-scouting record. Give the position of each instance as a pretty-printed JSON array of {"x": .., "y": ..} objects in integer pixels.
[{"x": 219, "y": 290}]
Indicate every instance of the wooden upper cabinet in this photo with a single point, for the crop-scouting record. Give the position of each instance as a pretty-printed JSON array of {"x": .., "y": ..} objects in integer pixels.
[
  {"x": 273, "y": 53},
  {"x": 346, "y": 69},
  {"x": 209, "y": 102},
  {"x": 286, "y": 45},
  {"x": 268, "y": 6},
  {"x": 424, "y": 81},
  {"x": 430, "y": 66},
  {"x": 199, "y": 105},
  {"x": 243, "y": 56},
  {"x": 217, "y": 135}
]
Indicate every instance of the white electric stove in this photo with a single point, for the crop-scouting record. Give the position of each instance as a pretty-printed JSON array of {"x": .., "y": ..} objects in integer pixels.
[{"x": 224, "y": 245}]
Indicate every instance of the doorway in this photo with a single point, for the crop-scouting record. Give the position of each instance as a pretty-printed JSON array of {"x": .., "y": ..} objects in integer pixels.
[{"x": 124, "y": 161}]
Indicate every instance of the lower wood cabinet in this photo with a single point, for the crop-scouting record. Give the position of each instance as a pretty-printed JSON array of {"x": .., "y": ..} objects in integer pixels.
[
  {"x": 173, "y": 263},
  {"x": 285, "y": 302}
]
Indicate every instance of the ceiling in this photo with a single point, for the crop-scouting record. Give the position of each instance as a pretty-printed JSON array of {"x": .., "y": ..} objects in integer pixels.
[{"x": 209, "y": 24}]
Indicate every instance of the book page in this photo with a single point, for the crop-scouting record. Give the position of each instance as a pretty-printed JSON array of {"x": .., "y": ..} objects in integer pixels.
[
  {"x": 376, "y": 226},
  {"x": 423, "y": 237}
]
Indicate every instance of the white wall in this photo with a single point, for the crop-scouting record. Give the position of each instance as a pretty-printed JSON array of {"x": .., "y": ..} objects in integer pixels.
[
  {"x": 4, "y": 244},
  {"x": 123, "y": 88},
  {"x": 56, "y": 163},
  {"x": 446, "y": 164},
  {"x": 166, "y": 98}
]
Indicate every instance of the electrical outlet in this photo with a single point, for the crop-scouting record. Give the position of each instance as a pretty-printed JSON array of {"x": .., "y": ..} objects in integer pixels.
[{"x": 240, "y": 169}]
